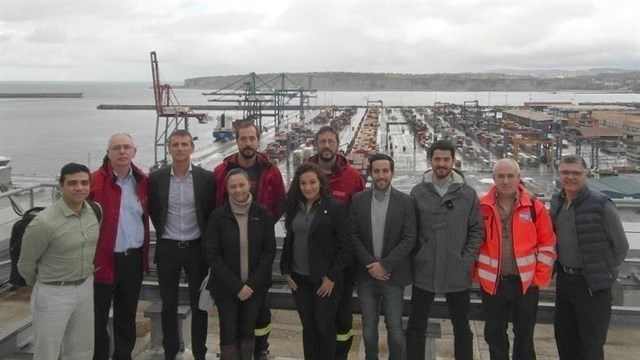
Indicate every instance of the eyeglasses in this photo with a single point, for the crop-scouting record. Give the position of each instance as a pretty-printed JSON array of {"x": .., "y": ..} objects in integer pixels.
[
  {"x": 118, "y": 148},
  {"x": 574, "y": 173}
]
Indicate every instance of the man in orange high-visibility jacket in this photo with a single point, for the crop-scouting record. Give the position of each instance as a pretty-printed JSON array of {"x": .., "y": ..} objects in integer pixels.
[{"x": 516, "y": 258}]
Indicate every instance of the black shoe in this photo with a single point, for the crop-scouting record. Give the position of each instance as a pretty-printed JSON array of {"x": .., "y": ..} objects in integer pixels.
[{"x": 262, "y": 355}]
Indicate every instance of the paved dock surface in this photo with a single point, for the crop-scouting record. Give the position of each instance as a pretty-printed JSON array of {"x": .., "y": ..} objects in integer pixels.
[{"x": 286, "y": 336}]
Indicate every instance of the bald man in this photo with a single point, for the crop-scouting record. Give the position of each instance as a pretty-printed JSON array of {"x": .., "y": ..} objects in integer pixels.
[{"x": 516, "y": 259}]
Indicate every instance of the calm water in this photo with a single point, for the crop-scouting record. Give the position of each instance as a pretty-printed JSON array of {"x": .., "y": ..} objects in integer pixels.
[{"x": 41, "y": 135}]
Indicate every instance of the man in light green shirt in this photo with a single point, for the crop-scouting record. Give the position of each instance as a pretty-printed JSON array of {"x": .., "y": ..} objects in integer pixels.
[{"x": 57, "y": 260}]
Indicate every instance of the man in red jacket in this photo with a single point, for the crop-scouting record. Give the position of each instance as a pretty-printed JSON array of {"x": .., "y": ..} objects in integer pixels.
[
  {"x": 267, "y": 188},
  {"x": 344, "y": 181},
  {"x": 516, "y": 259},
  {"x": 122, "y": 252}
]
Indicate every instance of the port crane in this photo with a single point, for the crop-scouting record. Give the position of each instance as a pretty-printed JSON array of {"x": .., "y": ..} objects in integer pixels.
[
  {"x": 254, "y": 94},
  {"x": 170, "y": 115}
]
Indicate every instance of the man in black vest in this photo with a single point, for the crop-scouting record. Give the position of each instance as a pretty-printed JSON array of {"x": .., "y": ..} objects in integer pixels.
[
  {"x": 591, "y": 244},
  {"x": 181, "y": 198}
]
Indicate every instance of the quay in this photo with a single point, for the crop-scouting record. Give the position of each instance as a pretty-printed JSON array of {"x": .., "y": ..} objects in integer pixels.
[
  {"x": 286, "y": 336},
  {"x": 57, "y": 95}
]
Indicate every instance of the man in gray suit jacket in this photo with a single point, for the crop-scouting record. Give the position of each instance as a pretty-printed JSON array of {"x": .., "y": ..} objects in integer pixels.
[
  {"x": 384, "y": 236},
  {"x": 181, "y": 198}
]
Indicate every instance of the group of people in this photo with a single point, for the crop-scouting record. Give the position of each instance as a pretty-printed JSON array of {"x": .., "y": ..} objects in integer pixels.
[{"x": 82, "y": 263}]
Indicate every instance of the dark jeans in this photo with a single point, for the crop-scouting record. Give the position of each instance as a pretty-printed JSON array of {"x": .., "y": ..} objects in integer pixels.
[
  {"x": 458, "y": 303},
  {"x": 237, "y": 318},
  {"x": 318, "y": 315},
  {"x": 510, "y": 302},
  {"x": 372, "y": 294},
  {"x": 263, "y": 327},
  {"x": 124, "y": 292},
  {"x": 170, "y": 261},
  {"x": 581, "y": 318}
]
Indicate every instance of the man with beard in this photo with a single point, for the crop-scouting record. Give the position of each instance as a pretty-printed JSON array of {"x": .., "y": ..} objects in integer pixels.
[
  {"x": 267, "y": 188},
  {"x": 344, "y": 181},
  {"x": 449, "y": 236},
  {"x": 384, "y": 223}
]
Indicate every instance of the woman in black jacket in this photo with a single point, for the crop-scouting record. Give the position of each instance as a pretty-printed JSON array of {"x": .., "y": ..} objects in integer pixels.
[
  {"x": 240, "y": 247},
  {"x": 316, "y": 250}
]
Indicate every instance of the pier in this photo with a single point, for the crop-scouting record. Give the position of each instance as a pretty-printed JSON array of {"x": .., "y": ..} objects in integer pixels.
[{"x": 57, "y": 95}]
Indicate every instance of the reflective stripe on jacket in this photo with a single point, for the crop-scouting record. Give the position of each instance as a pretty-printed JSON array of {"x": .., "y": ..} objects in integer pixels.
[{"x": 533, "y": 242}]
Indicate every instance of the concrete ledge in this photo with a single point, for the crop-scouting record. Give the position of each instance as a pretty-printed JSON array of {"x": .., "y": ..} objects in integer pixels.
[{"x": 154, "y": 313}]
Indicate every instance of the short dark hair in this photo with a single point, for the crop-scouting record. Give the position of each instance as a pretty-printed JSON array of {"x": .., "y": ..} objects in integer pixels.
[
  {"x": 573, "y": 159},
  {"x": 73, "y": 168},
  {"x": 325, "y": 129},
  {"x": 294, "y": 196},
  {"x": 180, "y": 132},
  {"x": 445, "y": 145},
  {"x": 246, "y": 124},
  {"x": 375, "y": 157}
]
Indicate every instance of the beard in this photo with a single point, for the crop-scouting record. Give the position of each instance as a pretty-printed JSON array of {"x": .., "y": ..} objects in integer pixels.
[
  {"x": 327, "y": 155},
  {"x": 248, "y": 153}
]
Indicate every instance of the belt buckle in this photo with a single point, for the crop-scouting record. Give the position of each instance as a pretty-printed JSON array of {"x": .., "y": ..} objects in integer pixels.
[
  {"x": 569, "y": 270},
  {"x": 183, "y": 244}
]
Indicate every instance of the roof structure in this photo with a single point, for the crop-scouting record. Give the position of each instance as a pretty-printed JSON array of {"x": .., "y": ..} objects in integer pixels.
[
  {"x": 616, "y": 187},
  {"x": 598, "y": 132},
  {"x": 533, "y": 115}
]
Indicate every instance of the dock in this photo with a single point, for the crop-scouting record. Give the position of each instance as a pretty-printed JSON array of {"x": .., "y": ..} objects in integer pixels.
[{"x": 56, "y": 95}]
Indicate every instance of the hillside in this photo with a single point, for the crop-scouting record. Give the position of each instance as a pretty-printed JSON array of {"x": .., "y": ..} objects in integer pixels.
[{"x": 620, "y": 81}]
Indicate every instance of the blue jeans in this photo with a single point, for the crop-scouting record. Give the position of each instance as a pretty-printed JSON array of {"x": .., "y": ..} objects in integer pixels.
[{"x": 371, "y": 294}]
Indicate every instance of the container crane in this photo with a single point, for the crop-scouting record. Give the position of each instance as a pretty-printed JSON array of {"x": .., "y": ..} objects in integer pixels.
[{"x": 170, "y": 115}]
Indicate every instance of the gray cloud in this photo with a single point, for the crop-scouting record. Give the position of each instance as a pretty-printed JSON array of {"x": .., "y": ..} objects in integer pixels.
[{"x": 111, "y": 40}]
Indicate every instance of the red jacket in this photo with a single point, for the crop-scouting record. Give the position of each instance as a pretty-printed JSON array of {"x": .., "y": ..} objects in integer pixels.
[
  {"x": 533, "y": 242},
  {"x": 107, "y": 193},
  {"x": 344, "y": 180},
  {"x": 271, "y": 191}
]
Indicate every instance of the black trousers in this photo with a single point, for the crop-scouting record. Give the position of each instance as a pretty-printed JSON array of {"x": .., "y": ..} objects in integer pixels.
[
  {"x": 509, "y": 302},
  {"x": 581, "y": 319},
  {"x": 172, "y": 257},
  {"x": 344, "y": 318},
  {"x": 124, "y": 293},
  {"x": 317, "y": 315},
  {"x": 263, "y": 327},
  {"x": 458, "y": 304},
  {"x": 237, "y": 318}
]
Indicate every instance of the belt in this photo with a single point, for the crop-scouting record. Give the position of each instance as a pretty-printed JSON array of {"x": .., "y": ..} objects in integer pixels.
[
  {"x": 182, "y": 244},
  {"x": 510, "y": 277},
  {"x": 129, "y": 251},
  {"x": 65, "y": 283},
  {"x": 570, "y": 270}
]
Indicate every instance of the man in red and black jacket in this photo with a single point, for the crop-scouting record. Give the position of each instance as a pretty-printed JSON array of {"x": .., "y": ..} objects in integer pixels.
[
  {"x": 267, "y": 188},
  {"x": 344, "y": 181},
  {"x": 122, "y": 252}
]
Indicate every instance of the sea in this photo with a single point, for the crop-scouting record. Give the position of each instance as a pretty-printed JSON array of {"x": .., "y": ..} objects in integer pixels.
[{"x": 41, "y": 135}]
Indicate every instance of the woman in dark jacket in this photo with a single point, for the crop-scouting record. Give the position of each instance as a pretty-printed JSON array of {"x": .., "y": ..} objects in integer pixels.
[
  {"x": 316, "y": 251},
  {"x": 240, "y": 247}
]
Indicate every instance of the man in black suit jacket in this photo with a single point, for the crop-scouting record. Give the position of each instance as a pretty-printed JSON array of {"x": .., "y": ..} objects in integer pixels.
[
  {"x": 181, "y": 199},
  {"x": 384, "y": 236}
]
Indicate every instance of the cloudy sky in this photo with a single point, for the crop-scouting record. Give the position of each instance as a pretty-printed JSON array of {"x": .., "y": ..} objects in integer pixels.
[{"x": 111, "y": 40}]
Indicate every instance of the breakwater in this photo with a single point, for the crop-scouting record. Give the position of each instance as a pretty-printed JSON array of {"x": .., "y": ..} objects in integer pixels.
[{"x": 40, "y": 95}]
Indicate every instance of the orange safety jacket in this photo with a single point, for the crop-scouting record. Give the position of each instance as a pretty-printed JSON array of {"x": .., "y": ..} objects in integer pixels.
[{"x": 533, "y": 242}]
